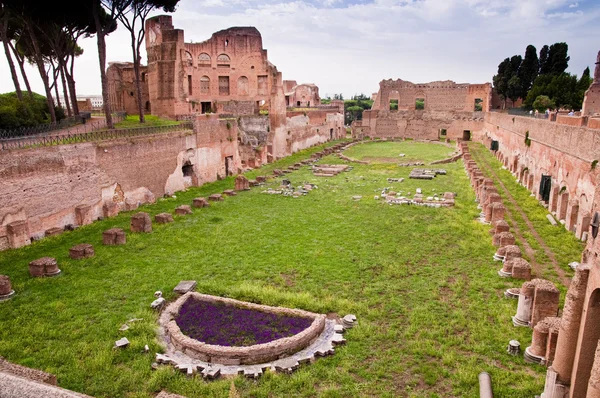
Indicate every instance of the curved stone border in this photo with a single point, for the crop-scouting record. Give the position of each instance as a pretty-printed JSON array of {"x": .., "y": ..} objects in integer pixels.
[
  {"x": 457, "y": 154},
  {"x": 226, "y": 355},
  {"x": 322, "y": 345}
]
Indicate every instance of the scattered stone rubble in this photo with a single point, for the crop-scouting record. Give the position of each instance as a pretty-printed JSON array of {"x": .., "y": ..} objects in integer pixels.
[
  {"x": 426, "y": 174},
  {"x": 287, "y": 189},
  {"x": 410, "y": 164},
  {"x": 329, "y": 170}
]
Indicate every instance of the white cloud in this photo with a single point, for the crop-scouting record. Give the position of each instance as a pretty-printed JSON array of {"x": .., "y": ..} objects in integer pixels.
[{"x": 349, "y": 48}]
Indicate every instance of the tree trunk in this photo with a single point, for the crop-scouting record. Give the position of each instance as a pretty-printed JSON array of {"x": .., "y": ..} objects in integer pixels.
[
  {"x": 72, "y": 91},
  {"x": 100, "y": 35},
  {"x": 62, "y": 66},
  {"x": 21, "y": 61},
  {"x": 11, "y": 64},
  {"x": 55, "y": 74},
  {"x": 136, "y": 72},
  {"x": 42, "y": 69}
]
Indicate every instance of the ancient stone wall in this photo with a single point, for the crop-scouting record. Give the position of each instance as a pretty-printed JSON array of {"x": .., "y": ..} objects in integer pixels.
[
  {"x": 437, "y": 96},
  {"x": 591, "y": 102},
  {"x": 122, "y": 90},
  {"x": 305, "y": 129},
  {"x": 417, "y": 124},
  {"x": 301, "y": 95},
  {"x": 44, "y": 186},
  {"x": 563, "y": 152},
  {"x": 193, "y": 77}
]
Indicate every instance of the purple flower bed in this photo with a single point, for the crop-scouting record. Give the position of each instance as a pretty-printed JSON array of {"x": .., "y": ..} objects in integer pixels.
[{"x": 227, "y": 325}]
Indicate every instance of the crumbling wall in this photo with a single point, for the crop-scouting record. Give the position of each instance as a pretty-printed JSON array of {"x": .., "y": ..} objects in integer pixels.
[
  {"x": 43, "y": 186},
  {"x": 532, "y": 147},
  {"x": 445, "y": 96},
  {"x": 416, "y": 124},
  {"x": 305, "y": 129}
]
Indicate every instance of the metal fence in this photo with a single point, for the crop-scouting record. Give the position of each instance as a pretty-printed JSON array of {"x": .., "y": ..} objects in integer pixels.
[
  {"x": 65, "y": 124},
  {"x": 533, "y": 114},
  {"x": 61, "y": 139}
]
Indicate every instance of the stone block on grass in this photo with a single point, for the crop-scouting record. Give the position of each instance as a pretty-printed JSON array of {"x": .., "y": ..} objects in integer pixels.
[{"x": 83, "y": 250}]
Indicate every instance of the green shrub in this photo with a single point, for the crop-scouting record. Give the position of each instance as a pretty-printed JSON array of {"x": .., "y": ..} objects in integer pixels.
[{"x": 15, "y": 114}]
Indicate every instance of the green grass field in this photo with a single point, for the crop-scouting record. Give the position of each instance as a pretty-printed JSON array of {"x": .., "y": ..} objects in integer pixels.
[
  {"x": 133, "y": 121},
  {"x": 421, "y": 282},
  {"x": 388, "y": 152}
]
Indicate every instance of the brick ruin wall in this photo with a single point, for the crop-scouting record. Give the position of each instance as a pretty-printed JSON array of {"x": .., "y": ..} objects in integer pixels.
[
  {"x": 564, "y": 152},
  {"x": 447, "y": 107},
  {"x": 305, "y": 129},
  {"x": 43, "y": 186},
  {"x": 445, "y": 96},
  {"x": 416, "y": 124}
]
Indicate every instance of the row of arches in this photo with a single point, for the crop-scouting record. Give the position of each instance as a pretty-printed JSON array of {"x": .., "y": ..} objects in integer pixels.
[
  {"x": 205, "y": 60},
  {"x": 568, "y": 207}
]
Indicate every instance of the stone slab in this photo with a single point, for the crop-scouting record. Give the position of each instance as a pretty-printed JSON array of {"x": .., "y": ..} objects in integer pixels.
[{"x": 184, "y": 287}]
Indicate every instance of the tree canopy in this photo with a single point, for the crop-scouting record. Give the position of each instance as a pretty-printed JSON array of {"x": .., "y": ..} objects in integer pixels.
[{"x": 533, "y": 76}]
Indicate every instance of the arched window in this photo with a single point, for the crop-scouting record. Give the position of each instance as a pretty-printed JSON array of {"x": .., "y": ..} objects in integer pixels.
[
  {"x": 188, "y": 59},
  {"x": 242, "y": 86},
  {"x": 204, "y": 59},
  {"x": 223, "y": 61},
  {"x": 204, "y": 85}
]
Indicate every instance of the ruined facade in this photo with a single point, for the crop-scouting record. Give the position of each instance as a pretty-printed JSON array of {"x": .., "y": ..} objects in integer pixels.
[
  {"x": 591, "y": 102},
  {"x": 122, "y": 89},
  {"x": 442, "y": 109},
  {"x": 229, "y": 72},
  {"x": 236, "y": 128},
  {"x": 301, "y": 95}
]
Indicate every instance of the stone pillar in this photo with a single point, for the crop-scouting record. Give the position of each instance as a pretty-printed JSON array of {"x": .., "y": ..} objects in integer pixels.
[
  {"x": 18, "y": 234},
  {"x": 563, "y": 200},
  {"x": 499, "y": 226},
  {"x": 498, "y": 211},
  {"x": 521, "y": 269},
  {"x": 45, "y": 266},
  {"x": 163, "y": 218},
  {"x": 545, "y": 301},
  {"x": 569, "y": 327},
  {"x": 241, "y": 183},
  {"x": 583, "y": 224},
  {"x": 530, "y": 184},
  {"x": 6, "y": 290},
  {"x": 141, "y": 222},
  {"x": 83, "y": 250},
  {"x": 110, "y": 209},
  {"x": 114, "y": 237},
  {"x": 552, "y": 205},
  {"x": 593, "y": 390},
  {"x": 503, "y": 239},
  {"x": 539, "y": 340},
  {"x": 83, "y": 214},
  {"x": 183, "y": 210},
  {"x": 523, "y": 315},
  {"x": 553, "y": 388},
  {"x": 200, "y": 202},
  {"x": 572, "y": 213},
  {"x": 512, "y": 252}
]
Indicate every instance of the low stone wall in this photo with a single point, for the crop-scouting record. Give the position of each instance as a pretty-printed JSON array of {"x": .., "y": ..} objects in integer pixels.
[{"x": 259, "y": 353}]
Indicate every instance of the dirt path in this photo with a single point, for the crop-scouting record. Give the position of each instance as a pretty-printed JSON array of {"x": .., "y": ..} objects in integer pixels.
[{"x": 528, "y": 249}]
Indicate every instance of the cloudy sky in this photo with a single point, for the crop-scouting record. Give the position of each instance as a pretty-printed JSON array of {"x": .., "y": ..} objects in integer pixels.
[{"x": 348, "y": 46}]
